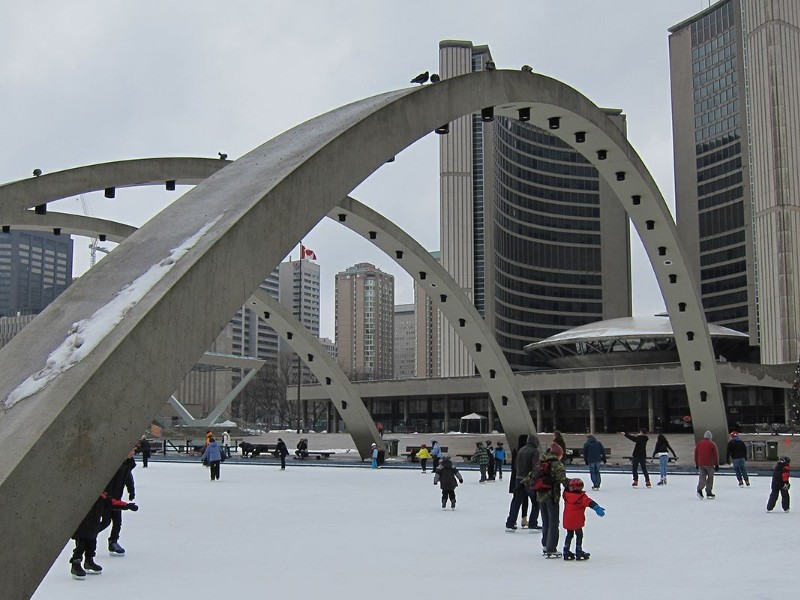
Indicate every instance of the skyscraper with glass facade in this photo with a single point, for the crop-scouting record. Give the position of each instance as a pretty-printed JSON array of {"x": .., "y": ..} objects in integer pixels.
[
  {"x": 528, "y": 228},
  {"x": 735, "y": 72}
]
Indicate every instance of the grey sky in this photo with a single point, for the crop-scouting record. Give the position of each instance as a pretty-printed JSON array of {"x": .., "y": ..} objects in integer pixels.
[{"x": 94, "y": 81}]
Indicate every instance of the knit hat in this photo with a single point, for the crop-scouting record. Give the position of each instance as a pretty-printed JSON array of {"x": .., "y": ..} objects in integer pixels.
[
  {"x": 707, "y": 435},
  {"x": 556, "y": 450},
  {"x": 734, "y": 434}
]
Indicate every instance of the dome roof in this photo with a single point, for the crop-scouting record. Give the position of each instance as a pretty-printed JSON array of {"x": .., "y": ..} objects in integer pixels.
[{"x": 628, "y": 340}]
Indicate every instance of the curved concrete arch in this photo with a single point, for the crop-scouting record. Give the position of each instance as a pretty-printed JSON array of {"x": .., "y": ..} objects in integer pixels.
[
  {"x": 111, "y": 379},
  {"x": 67, "y": 224},
  {"x": 512, "y": 410}
]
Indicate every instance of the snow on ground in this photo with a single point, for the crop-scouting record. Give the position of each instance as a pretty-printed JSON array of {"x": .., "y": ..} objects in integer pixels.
[{"x": 352, "y": 533}]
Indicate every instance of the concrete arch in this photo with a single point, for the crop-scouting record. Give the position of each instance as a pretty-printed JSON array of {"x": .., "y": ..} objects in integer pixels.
[
  {"x": 489, "y": 359},
  {"x": 156, "y": 282}
]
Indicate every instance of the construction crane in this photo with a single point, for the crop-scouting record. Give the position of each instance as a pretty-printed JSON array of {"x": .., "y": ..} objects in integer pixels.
[{"x": 94, "y": 245}]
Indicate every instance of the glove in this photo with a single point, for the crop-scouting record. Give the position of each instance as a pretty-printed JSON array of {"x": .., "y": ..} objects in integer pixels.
[
  {"x": 716, "y": 468},
  {"x": 601, "y": 512},
  {"x": 131, "y": 496},
  {"x": 131, "y": 506}
]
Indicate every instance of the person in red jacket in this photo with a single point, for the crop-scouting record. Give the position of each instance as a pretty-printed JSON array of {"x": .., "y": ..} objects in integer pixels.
[
  {"x": 780, "y": 485},
  {"x": 706, "y": 461},
  {"x": 575, "y": 504}
]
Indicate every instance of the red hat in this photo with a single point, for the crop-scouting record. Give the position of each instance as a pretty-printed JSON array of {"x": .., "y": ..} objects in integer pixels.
[
  {"x": 556, "y": 450},
  {"x": 734, "y": 433}
]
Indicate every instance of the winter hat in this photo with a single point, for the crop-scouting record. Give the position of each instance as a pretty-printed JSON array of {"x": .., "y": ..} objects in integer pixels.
[
  {"x": 575, "y": 485},
  {"x": 556, "y": 450},
  {"x": 374, "y": 445},
  {"x": 707, "y": 435},
  {"x": 734, "y": 434}
]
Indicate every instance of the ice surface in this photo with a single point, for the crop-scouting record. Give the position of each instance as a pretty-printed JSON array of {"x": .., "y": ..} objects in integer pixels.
[{"x": 352, "y": 533}]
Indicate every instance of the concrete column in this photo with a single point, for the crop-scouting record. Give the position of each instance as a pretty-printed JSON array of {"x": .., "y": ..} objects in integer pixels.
[
  {"x": 490, "y": 415},
  {"x": 607, "y": 412},
  {"x": 537, "y": 406},
  {"x": 651, "y": 414},
  {"x": 446, "y": 424},
  {"x": 592, "y": 413},
  {"x": 554, "y": 409},
  {"x": 428, "y": 419},
  {"x": 405, "y": 411}
]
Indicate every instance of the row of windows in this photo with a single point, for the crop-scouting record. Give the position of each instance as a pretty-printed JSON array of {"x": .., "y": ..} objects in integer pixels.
[
  {"x": 716, "y": 78},
  {"x": 724, "y": 285},
  {"x": 548, "y": 256},
  {"x": 722, "y": 256},
  {"x": 719, "y": 155},
  {"x": 722, "y": 55},
  {"x": 520, "y": 152},
  {"x": 528, "y": 209},
  {"x": 729, "y": 314},
  {"x": 720, "y": 184},
  {"x": 538, "y": 142},
  {"x": 547, "y": 291},
  {"x": 546, "y": 235},
  {"x": 717, "y": 114},
  {"x": 730, "y": 137},
  {"x": 567, "y": 183},
  {"x": 528, "y": 272},
  {"x": 719, "y": 98},
  {"x": 737, "y": 237},
  {"x": 723, "y": 270},
  {"x": 714, "y": 87},
  {"x": 547, "y": 193},
  {"x": 713, "y": 25},
  {"x": 716, "y": 129},
  {"x": 720, "y": 198},
  {"x": 547, "y": 324},
  {"x": 719, "y": 169},
  {"x": 527, "y": 308},
  {"x": 714, "y": 44},
  {"x": 721, "y": 220}
]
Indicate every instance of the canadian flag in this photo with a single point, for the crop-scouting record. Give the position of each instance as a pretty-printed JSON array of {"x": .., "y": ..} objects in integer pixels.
[{"x": 307, "y": 253}]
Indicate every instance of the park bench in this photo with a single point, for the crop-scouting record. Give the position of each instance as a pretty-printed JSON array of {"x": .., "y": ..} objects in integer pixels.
[
  {"x": 574, "y": 453},
  {"x": 411, "y": 452},
  {"x": 318, "y": 454},
  {"x": 254, "y": 450}
]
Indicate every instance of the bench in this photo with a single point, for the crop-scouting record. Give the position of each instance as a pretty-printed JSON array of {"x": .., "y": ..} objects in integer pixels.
[
  {"x": 411, "y": 452},
  {"x": 318, "y": 454},
  {"x": 573, "y": 453},
  {"x": 254, "y": 450}
]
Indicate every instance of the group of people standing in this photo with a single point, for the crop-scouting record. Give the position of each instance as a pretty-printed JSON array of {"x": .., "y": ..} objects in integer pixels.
[{"x": 489, "y": 460}]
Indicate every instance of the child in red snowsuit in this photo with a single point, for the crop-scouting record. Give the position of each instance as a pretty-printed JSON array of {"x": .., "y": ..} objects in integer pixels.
[{"x": 575, "y": 504}]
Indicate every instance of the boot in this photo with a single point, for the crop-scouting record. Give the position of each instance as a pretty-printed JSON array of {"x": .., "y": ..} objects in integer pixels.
[
  {"x": 76, "y": 570},
  {"x": 661, "y": 482},
  {"x": 635, "y": 483},
  {"x": 741, "y": 483},
  {"x": 747, "y": 482},
  {"x": 647, "y": 483},
  {"x": 524, "y": 522},
  {"x": 581, "y": 555},
  {"x": 568, "y": 555},
  {"x": 444, "y": 504},
  {"x": 453, "y": 505},
  {"x": 114, "y": 549},
  {"x": 92, "y": 567}
]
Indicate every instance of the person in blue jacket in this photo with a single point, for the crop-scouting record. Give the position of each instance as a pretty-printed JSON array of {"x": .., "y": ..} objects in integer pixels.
[
  {"x": 374, "y": 455},
  {"x": 212, "y": 456},
  {"x": 594, "y": 453},
  {"x": 499, "y": 459}
]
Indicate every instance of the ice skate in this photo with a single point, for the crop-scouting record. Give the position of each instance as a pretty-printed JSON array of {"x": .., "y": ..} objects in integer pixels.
[
  {"x": 76, "y": 570},
  {"x": 114, "y": 549},
  {"x": 444, "y": 505},
  {"x": 662, "y": 482},
  {"x": 581, "y": 555},
  {"x": 452, "y": 506},
  {"x": 648, "y": 484},
  {"x": 700, "y": 494},
  {"x": 554, "y": 554},
  {"x": 511, "y": 528},
  {"x": 524, "y": 522},
  {"x": 92, "y": 567},
  {"x": 710, "y": 495},
  {"x": 568, "y": 555},
  {"x": 635, "y": 483}
]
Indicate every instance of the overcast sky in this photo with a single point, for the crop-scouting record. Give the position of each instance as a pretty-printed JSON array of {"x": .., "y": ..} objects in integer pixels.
[{"x": 84, "y": 82}]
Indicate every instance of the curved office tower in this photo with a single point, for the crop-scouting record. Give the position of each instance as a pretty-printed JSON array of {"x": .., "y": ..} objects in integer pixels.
[{"x": 525, "y": 227}]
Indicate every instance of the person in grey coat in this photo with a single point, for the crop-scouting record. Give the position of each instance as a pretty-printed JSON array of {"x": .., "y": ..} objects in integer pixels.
[{"x": 527, "y": 457}]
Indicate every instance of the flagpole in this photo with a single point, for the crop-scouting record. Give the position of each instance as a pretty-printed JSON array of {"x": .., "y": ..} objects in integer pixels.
[{"x": 300, "y": 312}]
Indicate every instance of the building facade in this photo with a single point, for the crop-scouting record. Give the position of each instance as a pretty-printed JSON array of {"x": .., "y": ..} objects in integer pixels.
[
  {"x": 428, "y": 362},
  {"x": 529, "y": 230},
  {"x": 735, "y": 74},
  {"x": 365, "y": 322},
  {"x": 405, "y": 341},
  {"x": 299, "y": 288},
  {"x": 35, "y": 267}
]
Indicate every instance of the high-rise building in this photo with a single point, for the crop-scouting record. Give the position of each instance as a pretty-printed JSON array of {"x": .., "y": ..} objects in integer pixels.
[
  {"x": 405, "y": 341},
  {"x": 35, "y": 267},
  {"x": 529, "y": 230},
  {"x": 252, "y": 337},
  {"x": 365, "y": 322},
  {"x": 735, "y": 71},
  {"x": 299, "y": 292},
  {"x": 428, "y": 364}
]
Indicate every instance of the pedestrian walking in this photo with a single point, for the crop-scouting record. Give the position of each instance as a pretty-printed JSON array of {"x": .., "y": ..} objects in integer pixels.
[
  {"x": 780, "y": 485},
  {"x": 639, "y": 455},
  {"x": 282, "y": 451},
  {"x": 448, "y": 477},
  {"x": 662, "y": 450},
  {"x": 737, "y": 455},
  {"x": 423, "y": 454},
  {"x": 594, "y": 453},
  {"x": 706, "y": 461},
  {"x": 499, "y": 459},
  {"x": 481, "y": 458},
  {"x": 212, "y": 457},
  {"x": 575, "y": 504}
]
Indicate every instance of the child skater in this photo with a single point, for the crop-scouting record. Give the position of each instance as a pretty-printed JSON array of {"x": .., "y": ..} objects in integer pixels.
[
  {"x": 780, "y": 485},
  {"x": 448, "y": 478},
  {"x": 423, "y": 454},
  {"x": 575, "y": 504}
]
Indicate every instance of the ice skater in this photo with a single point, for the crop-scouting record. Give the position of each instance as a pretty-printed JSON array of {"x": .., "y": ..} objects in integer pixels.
[
  {"x": 575, "y": 504},
  {"x": 662, "y": 451},
  {"x": 706, "y": 461},
  {"x": 639, "y": 455},
  {"x": 737, "y": 455},
  {"x": 780, "y": 485},
  {"x": 547, "y": 481},
  {"x": 448, "y": 477},
  {"x": 122, "y": 480},
  {"x": 499, "y": 459},
  {"x": 423, "y": 454},
  {"x": 212, "y": 456}
]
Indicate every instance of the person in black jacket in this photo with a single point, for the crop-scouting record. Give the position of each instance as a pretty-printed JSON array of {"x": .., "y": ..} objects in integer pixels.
[
  {"x": 525, "y": 456},
  {"x": 662, "y": 451},
  {"x": 282, "y": 451},
  {"x": 780, "y": 485},
  {"x": 143, "y": 447},
  {"x": 594, "y": 453},
  {"x": 639, "y": 455},
  {"x": 122, "y": 480},
  {"x": 448, "y": 478},
  {"x": 737, "y": 455}
]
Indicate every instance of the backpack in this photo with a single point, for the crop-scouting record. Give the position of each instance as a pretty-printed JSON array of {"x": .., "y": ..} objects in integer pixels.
[{"x": 543, "y": 476}]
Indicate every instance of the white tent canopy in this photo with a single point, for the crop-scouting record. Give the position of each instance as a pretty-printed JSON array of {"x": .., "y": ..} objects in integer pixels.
[{"x": 473, "y": 423}]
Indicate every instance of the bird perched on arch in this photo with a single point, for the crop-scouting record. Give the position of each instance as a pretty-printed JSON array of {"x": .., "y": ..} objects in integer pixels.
[
  {"x": 489, "y": 66},
  {"x": 435, "y": 78},
  {"x": 527, "y": 69},
  {"x": 222, "y": 155},
  {"x": 421, "y": 78},
  {"x": 37, "y": 172}
]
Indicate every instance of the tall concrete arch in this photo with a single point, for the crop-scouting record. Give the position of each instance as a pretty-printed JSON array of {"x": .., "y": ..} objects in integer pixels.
[{"x": 130, "y": 345}]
